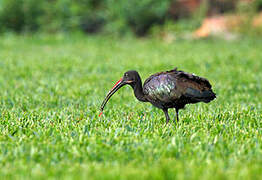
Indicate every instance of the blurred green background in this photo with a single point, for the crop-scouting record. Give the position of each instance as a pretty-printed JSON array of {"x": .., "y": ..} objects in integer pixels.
[
  {"x": 59, "y": 58},
  {"x": 137, "y": 17}
]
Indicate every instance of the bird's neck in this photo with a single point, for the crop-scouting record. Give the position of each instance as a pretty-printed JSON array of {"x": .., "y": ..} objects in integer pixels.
[{"x": 138, "y": 90}]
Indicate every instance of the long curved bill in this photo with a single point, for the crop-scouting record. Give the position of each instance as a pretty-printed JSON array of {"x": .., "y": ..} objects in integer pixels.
[{"x": 117, "y": 86}]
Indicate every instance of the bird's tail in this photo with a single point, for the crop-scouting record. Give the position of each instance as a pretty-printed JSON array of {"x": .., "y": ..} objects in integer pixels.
[
  {"x": 196, "y": 95},
  {"x": 208, "y": 96}
]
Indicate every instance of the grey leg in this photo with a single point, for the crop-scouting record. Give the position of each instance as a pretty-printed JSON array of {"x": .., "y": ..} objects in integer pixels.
[
  {"x": 177, "y": 119},
  {"x": 166, "y": 114}
]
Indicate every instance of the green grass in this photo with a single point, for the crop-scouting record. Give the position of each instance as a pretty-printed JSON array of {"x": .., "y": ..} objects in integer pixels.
[{"x": 51, "y": 88}]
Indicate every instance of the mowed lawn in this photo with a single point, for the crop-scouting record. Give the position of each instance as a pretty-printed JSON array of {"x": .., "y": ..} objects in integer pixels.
[{"x": 51, "y": 88}]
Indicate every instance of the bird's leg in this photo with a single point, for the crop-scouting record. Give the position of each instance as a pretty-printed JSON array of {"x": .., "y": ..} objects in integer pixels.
[
  {"x": 177, "y": 119},
  {"x": 166, "y": 114}
]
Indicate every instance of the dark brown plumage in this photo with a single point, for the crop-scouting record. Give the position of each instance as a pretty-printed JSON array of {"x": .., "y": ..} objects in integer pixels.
[{"x": 170, "y": 89}]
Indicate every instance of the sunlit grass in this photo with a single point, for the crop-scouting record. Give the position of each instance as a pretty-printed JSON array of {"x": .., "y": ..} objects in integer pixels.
[{"x": 51, "y": 88}]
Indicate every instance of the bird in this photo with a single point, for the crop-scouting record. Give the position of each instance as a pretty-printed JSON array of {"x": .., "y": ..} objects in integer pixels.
[{"x": 165, "y": 90}]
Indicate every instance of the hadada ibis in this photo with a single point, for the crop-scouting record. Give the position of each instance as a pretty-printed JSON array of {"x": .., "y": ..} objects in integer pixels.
[{"x": 164, "y": 90}]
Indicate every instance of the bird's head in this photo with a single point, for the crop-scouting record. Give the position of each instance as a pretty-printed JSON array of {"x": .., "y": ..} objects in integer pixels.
[{"x": 129, "y": 77}]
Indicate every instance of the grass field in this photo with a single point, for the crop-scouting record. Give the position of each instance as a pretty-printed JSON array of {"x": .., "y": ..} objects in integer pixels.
[{"x": 51, "y": 88}]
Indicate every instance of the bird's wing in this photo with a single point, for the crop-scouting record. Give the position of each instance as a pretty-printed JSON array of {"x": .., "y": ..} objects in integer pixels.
[
  {"x": 193, "y": 80},
  {"x": 160, "y": 87},
  {"x": 194, "y": 88},
  {"x": 157, "y": 74},
  {"x": 174, "y": 85}
]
